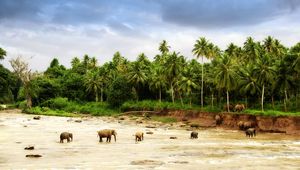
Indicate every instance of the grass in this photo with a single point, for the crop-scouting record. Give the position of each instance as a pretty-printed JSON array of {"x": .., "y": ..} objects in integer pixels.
[
  {"x": 270, "y": 113},
  {"x": 46, "y": 111},
  {"x": 164, "y": 119}
]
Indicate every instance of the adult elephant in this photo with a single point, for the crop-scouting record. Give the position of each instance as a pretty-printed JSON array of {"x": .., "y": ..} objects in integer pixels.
[
  {"x": 107, "y": 133},
  {"x": 239, "y": 107}
]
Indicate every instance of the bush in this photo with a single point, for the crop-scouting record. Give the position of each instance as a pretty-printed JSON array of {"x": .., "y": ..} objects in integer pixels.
[
  {"x": 56, "y": 103},
  {"x": 118, "y": 92}
]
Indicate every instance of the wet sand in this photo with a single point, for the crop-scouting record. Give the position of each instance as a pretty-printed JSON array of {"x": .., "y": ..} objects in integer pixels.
[{"x": 215, "y": 148}]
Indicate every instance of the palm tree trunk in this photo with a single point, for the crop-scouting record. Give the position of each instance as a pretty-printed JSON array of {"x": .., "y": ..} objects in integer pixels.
[
  {"x": 227, "y": 93},
  {"x": 246, "y": 101},
  {"x": 159, "y": 95},
  {"x": 181, "y": 99},
  {"x": 172, "y": 93},
  {"x": 285, "y": 100},
  {"x": 262, "y": 97},
  {"x": 202, "y": 84},
  {"x": 212, "y": 100},
  {"x": 101, "y": 90},
  {"x": 273, "y": 106},
  {"x": 96, "y": 95},
  {"x": 190, "y": 100}
]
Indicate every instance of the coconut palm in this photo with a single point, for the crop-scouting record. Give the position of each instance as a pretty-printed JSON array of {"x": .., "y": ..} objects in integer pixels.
[
  {"x": 203, "y": 48},
  {"x": 173, "y": 66},
  {"x": 92, "y": 82},
  {"x": 187, "y": 84},
  {"x": 137, "y": 75},
  {"x": 226, "y": 77},
  {"x": 251, "y": 49},
  {"x": 163, "y": 47},
  {"x": 264, "y": 71},
  {"x": 157, "y": 79}
]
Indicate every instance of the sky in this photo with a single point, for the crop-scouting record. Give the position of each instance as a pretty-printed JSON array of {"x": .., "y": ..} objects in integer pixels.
[{"x": 39, "y": 30}]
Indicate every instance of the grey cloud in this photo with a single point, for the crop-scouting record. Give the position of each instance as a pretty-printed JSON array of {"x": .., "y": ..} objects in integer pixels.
[{"x": 224, "y": 13}]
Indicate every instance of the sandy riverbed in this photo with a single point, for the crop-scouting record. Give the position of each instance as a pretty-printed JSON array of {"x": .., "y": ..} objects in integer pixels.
[{"x": 215, "y": 148}]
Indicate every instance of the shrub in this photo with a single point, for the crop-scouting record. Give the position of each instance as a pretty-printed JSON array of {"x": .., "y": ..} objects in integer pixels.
[{"x": 118, "y": 92}]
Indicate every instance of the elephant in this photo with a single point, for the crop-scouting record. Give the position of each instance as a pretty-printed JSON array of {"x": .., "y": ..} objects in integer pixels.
[
  {"x": 218, "y": 119},
  {"x": 250, "y": 132},
  {"x": 239, "y": 107},
  {"x": 106, "y": 133},
  {"x": 139, "y": 136},
  {"x": 194, "y": 135},
  {"x": 66, "y": 135},
  {"x": 230, "y": 107},
  {"x": 249, "y": 124},
  {"x": 245, "y": 125}
]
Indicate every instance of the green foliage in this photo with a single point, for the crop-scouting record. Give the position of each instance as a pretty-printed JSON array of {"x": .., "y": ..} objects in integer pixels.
[
  {"x": 271, "y": 113},
  {"x": 93, "y": 108},
  {"x": 118, "y": 92},
  {"x": 44, "y": 111},
  {"x": 164, "y": 119},
  {"x": 151, "y": 105}
]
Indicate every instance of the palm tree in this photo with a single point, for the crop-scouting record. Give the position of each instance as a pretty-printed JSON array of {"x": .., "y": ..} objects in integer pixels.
[
  {"x": 247, "y": 81},
  {"x": 187, "y": 84},
  {"x": 201, "y": 50},
  {"x": 264, "y": 72},
  {"x": 157, "y": 79},
  {"x": 163, "y": 47},
  {"x": 2, "y": 54},
  {"x": 251, "y": 49},
  {"x": 225, "y": 75},
  {"x": 137, "y": 75},
  {"x": 173, "y": 66},
  {"x": 92, "y": 82}
]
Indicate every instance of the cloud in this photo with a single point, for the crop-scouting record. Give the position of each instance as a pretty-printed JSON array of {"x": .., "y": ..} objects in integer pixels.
[{"x": 207, "y": 14}]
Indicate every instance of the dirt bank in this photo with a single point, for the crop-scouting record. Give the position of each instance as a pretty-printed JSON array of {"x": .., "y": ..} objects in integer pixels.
[{"x": 279, "y": 124}]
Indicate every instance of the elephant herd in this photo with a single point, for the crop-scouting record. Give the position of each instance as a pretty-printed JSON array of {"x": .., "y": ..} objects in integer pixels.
[{"x": 250, "y": 131}]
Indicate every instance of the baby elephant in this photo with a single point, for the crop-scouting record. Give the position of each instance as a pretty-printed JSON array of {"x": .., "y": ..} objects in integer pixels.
[
  {"x": 194, "y": 135},
  {"x": 251, "y": 132},
  {"x": 107, "y": 133},
  {"x": 66, "y": 135},
  {"x": 139, "y": 136}
]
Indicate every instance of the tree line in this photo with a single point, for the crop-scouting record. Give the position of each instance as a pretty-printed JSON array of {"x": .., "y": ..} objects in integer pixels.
[{"x": 256, "y": 73}]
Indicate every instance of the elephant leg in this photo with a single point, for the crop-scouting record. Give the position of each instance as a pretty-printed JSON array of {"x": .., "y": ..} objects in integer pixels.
[{"x": 100, "y": 139}]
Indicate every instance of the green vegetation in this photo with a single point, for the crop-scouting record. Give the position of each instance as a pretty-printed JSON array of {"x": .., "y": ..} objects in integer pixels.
[
  {"x": 264, "y": 75},
  {"x": 164, "y": 119},
  {"x": 271, "y": 113}
]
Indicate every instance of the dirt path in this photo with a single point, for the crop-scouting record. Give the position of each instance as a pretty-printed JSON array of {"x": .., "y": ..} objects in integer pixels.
[{"x": 215, "y": 148}]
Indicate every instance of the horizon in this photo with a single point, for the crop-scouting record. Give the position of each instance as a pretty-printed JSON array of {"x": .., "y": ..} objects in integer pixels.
[{"x": 43, "y": 30}]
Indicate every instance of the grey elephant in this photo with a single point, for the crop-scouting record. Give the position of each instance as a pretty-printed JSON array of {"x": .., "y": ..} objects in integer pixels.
[
  {"x": 250, "y": 132},
  {"x": 194, "y": 135},
  {"x": 139, "y": 136},
  {"x": 66, "y": 135},
  {"x": 107, "y": 133}
]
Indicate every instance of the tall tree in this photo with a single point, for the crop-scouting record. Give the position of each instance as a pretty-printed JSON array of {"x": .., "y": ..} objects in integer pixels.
[
  {"x": 264, "y": 72},
  {"x": 92, "y": 82},
  {"x": 203, "y": 48},
  {"x": 21, "y": 69},
  {"x": 226, "y": 75},
  {"x": 163, "y": 47},
  {"x": 157, "y": 79},
  {"x": 173, "y": 66}
]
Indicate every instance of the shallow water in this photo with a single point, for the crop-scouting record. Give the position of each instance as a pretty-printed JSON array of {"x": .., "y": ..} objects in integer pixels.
[{"x": 215, "y": 148}]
